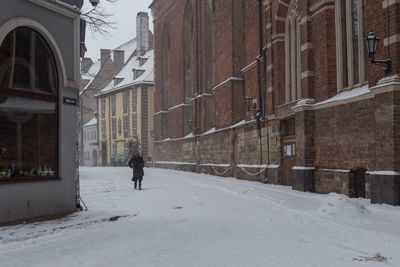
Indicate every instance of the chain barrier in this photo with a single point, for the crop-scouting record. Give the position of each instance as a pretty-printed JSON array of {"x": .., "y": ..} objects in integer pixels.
[
  {"x": 253, "y": 174},
  {"x": 221, "y": 173}
]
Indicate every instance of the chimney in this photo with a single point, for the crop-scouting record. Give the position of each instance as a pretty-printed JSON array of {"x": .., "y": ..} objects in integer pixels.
[
  {"x": 119, "y": 59},
  {"x": 86, "y": 64},
  {"x": 104, "y": 55},
  {"x": 142, "y": 33}
]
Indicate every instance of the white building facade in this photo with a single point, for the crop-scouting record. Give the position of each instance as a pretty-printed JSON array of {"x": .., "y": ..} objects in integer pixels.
[{"x": 90, "y": 143}]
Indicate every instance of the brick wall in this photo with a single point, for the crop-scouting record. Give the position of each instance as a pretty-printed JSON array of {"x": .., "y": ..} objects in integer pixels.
[{"x": 332, "y": 138}]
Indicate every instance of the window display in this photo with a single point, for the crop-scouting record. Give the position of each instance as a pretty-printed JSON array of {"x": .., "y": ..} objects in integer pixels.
[{"x": 28, "y": 108}]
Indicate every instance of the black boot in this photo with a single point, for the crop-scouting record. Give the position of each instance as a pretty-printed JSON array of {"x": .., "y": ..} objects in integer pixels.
[
  {"x": 140, "y": 184},
  {"x": 136, "y": 184}
]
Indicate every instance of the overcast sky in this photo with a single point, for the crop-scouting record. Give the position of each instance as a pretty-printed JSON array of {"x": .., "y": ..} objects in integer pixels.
[{"x": 125, "y": 16}]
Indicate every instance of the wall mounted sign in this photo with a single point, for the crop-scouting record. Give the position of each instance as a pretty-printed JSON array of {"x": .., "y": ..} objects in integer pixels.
[{"x": 69, "y": 101}]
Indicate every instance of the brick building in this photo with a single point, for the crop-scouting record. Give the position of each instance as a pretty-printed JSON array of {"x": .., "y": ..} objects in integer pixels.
[{"x": 321, "y": 118}]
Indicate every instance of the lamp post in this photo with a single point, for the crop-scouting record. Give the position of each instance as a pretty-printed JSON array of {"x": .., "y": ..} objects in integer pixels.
[{"x": 371, "y": 42}]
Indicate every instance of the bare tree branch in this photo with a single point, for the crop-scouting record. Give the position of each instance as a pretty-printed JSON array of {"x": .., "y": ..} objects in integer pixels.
[{"x": 98, "y": 20}]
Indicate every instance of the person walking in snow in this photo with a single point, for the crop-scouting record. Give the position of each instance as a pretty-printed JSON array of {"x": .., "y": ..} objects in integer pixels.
[{"x": 137, "y": 164}]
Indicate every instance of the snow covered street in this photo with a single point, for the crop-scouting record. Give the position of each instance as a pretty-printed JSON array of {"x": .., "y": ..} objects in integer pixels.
[{"x": 186, "y": 219}]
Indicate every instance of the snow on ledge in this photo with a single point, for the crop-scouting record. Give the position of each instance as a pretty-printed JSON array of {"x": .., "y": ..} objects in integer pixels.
[
  {"x": 347, "y": 94},
  {"x": 334, "y": 170},
  {"x": 212, "y": 130},
  {"x": 266, "y": 166},
  {"x": 303, "y": 168},
  {"x": 190, "y": 135},
  {"x": 390, "y": 173},
  {"x": 214, "y": 165},
  {"x": 175, "y": 162}
]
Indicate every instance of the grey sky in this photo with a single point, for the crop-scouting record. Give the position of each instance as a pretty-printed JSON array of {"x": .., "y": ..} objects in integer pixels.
[{"x": 125, "y": 15}]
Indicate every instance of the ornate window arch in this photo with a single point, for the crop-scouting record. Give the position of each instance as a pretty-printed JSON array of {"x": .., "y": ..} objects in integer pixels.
[
  {"x": 292, "y": 55},
  {"x": 29, "y": 97},
  {"x": 350, "y": 31}
]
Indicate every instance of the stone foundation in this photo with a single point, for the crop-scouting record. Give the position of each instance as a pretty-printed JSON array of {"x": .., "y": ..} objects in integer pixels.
[
  {"x": 384, "y": 188},
  {"x": 303, "y": 179}
]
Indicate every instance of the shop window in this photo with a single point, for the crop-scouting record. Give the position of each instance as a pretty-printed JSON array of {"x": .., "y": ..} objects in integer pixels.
[{"x": 28, "y": 108}]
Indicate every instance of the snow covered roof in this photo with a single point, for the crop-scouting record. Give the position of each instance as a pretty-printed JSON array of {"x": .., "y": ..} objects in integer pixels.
[
  {"x": 128, "y": 47},
  {"x": 92, "y": 122},
  {"x": 91, "y": 74},
  {"x": 126, "y": 74}
]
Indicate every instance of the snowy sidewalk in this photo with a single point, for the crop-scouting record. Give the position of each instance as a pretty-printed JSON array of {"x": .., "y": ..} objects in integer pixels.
[{"x": 186, "y": 219}]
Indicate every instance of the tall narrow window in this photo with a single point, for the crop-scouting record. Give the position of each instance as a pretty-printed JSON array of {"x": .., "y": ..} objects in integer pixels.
[
  {"x": 29, "y": 135},
  {"x": 351, "y": 64},
  {"x": 113, "y": 118},
  {"x": 134, "y": 112},
  {"x": 165, "y": 69},
  {"x": 113, "y": 105},
  {"x": 126, "y": 117},
  {"x": 188, "y": 51},
  {"x": 165, "y": 96},
  {"x": 103, "y": 118},
  {"x": 211, "y": 44},
  {"x": 292, "y": 55},
  {"x": 103, "y": 108}
]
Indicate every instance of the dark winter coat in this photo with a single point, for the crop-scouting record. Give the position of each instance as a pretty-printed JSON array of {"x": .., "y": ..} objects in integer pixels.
[{"x": 137, "y": 164}]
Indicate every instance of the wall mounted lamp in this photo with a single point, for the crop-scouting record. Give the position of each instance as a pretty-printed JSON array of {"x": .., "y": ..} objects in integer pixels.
[{"x": 371, "y": 42}]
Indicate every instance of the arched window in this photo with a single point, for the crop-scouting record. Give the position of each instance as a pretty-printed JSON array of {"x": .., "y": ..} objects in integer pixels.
[
  {"x": 28, "y": 107},
  {"x": 188, "y": 51},
  {"x": 292, "y": 56},
  {"x": 350, "y": 32}
]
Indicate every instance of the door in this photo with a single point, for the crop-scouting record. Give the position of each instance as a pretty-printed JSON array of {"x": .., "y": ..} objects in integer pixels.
[
  {"x": 94, "y": 158},
  {"x": 103, "y": 153},
  {"x": 357, "y": 182},
  {"x": 288, "y": 160}
]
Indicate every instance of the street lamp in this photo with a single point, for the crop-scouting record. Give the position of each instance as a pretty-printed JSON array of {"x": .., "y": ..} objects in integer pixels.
[{"x": 371, "y": 42}]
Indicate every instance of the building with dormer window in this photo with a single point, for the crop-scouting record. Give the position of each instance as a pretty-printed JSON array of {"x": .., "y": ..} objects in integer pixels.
[{"x": 125, "y": 105}]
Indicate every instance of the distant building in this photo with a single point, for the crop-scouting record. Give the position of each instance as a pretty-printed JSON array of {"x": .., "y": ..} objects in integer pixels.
[
  {"x": 118, "y": 89},
  {"x": 320, "y": 116},
  {"x": 39, "y": 85},
  {"x": 90, "y": 143},
  {"x": 94, "y": 77}
]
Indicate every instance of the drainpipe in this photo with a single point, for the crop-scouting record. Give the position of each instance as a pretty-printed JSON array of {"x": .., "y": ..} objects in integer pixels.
[{"x": 261, "y": 69}]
